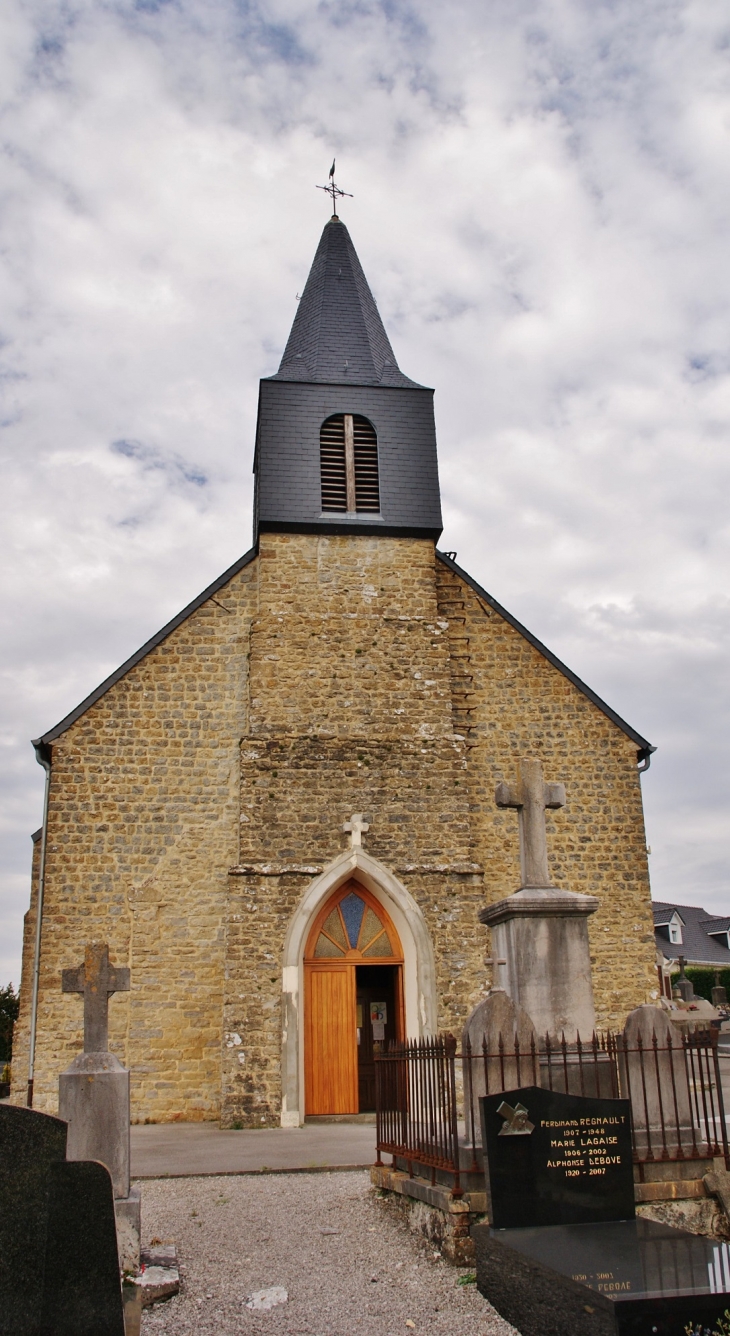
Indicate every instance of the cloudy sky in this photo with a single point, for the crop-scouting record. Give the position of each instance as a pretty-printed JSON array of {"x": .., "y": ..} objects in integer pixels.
[{"x": 541, "y": 206}]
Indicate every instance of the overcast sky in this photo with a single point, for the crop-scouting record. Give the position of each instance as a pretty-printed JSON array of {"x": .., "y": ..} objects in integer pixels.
[{"x": 541, "y": 208}]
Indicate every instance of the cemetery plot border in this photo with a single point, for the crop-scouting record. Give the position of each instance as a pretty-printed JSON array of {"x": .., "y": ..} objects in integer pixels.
[{"x": 673, "y": 1085}]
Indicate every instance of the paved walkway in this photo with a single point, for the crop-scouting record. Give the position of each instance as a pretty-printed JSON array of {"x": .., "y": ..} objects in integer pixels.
[{"x": 184, "y": 1150}]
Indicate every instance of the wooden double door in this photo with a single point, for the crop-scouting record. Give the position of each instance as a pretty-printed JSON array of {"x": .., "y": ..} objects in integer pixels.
[{"x": 353, "y": 1001}]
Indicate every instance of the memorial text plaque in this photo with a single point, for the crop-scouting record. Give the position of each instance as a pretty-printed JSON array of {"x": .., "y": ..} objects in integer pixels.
[{"x": 556, "y": 1159}]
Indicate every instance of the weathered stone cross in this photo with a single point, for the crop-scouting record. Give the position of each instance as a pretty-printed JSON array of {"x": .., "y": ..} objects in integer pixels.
[
  {"x": 356, "y": 827},
  {"x": 531, "y": 796},
  {"x": 97, "y": 980}
]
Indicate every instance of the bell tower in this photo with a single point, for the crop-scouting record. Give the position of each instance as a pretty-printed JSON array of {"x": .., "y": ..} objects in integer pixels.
[{"x": 345, "y": 442}]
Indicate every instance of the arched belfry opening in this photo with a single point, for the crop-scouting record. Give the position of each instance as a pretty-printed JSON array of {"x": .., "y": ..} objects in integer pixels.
[
  {"x": 353, "y": 1000},
  {"x": 348, "y": 460}
]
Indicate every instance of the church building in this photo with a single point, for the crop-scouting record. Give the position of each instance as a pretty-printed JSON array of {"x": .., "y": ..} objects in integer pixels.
[{"x": 280, "y": 812}]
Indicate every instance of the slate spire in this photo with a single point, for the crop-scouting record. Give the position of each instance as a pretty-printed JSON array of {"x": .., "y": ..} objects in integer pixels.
[
  {"x": 339, "y": 382},
  {"x": 338, "y": 337}
]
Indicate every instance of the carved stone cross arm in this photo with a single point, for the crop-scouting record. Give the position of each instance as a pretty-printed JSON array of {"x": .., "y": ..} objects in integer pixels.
[
  {"x": 96, "y": 979},
  {"x": 531, "y": 795},
  {"x": 355, "y": 828}
]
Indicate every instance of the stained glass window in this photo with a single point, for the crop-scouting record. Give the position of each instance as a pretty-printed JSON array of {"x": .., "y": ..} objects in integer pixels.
[
  {"x": 352, "y": 925},
  {"x": 352, "y": 909}
]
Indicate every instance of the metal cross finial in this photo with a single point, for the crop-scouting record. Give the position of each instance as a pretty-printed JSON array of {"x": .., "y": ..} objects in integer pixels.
[
  {"x": 531, "y": 796},
  {"x": 97, "y": 980},
  {"x": 334, "y": 190},
  {"x": 355, "y": 828}
]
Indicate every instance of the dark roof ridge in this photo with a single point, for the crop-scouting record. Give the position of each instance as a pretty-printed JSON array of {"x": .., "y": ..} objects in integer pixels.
[
  {"x": 144, "y": 650},
  {"x": 672, "y": 904},
  {"x": 645, "y": 748},
  {"x": 381, "y": 385}
]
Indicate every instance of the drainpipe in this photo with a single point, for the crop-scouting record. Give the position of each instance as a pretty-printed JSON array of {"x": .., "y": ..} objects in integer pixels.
[
  {"x": 643, "y": 757},
  {"x": 43, "y": 757}
]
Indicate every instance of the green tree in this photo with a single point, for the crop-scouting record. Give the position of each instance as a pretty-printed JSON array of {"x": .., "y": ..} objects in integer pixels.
[{"x": 9, "y": 1003}]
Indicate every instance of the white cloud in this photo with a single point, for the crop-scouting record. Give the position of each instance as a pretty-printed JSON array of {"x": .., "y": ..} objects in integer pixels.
[{"x": 541, "y": 196}]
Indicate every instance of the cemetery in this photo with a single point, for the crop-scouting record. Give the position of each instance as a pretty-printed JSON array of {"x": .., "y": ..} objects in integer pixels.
[
  {"x": 572, "y": 1168},
  {"x": 544, "y": 1158}
]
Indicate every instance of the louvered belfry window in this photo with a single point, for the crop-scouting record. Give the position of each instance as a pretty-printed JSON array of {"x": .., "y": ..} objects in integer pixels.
[{"x": 348, "y": 453}]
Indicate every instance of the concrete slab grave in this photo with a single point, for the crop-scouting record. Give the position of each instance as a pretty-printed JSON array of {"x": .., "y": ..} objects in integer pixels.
[{"x": 563, "y": 1251}]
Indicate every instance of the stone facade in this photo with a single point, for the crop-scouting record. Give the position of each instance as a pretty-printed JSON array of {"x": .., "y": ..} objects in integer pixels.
[{"x": 332, "y": 675}]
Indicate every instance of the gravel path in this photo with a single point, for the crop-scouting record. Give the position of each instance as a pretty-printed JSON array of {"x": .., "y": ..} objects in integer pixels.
[{"x": 349, "y": 1263}]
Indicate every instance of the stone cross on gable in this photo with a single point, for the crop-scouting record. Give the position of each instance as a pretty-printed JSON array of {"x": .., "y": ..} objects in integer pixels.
[
  {"x": 97, "y": 980},
  {"x": 531, "y": 796},
  {"x": 356, "y": 827}
]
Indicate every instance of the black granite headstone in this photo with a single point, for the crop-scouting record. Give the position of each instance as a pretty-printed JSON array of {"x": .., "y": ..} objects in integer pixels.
[
  {"x": 29, "y": 1143},
  {"x": 82, "y": 1291},
  {"x": 555, "y": 1159},
  {"x": 628, "y": 1278},
  {"x": 59, "y": 1267}
]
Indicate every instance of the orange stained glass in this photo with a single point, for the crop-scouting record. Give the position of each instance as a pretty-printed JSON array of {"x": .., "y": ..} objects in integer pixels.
[{"x": 353, "y": 926}]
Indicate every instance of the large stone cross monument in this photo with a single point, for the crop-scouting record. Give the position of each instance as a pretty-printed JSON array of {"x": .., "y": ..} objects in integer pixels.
[
  {"x": 541, "y": 931},
  {"x": 93, "y": 1093},
  {"x": 531, "y": 796},
  {"x": 97, "y": 980}
]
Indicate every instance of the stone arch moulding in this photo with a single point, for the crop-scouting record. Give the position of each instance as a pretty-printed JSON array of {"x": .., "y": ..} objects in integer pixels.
[{"x": 418, "y": 969}]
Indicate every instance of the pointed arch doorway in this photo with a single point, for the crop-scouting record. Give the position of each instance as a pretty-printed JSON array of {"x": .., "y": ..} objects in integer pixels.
[{"x": 353, "y": 1000}]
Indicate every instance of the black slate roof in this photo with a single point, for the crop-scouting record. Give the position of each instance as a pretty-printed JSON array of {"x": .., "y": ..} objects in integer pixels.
[
  {"x": 697, "y": 947},
  {"x": 663, "y": 917},
  {"x": 338, "y": 337},
  {"x": 712, "y": 925}
]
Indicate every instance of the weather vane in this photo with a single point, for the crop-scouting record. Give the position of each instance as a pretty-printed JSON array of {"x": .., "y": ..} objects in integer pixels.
[{"x": 334, "y": 190}]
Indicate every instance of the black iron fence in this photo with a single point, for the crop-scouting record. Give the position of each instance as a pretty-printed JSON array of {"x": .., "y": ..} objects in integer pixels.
[
  {"x": 416, "y": 1105},
  {"x": 427, "y": 1094}
]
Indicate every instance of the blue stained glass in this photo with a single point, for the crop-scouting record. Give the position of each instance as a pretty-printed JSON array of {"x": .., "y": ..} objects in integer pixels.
[{"x": 352, "y": 908}]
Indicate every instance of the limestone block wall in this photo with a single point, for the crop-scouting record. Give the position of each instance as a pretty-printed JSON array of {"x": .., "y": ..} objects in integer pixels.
[
  {"x": 331, "y": 675},
  {"x": 350, "y": 711},
  {"x": 512, "y": 702},
  {"x": 143, "y": 826},
  {"x": 379, "y": 683}
]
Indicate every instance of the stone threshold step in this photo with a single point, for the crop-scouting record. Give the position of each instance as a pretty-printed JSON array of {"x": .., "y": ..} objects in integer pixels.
[{"x": 359, "y": 1119}]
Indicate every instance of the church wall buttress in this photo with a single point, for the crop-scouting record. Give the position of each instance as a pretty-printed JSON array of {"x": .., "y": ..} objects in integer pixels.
[
  {"x": 350, "y": 711},
  {"x": 21, "y": 1032}
]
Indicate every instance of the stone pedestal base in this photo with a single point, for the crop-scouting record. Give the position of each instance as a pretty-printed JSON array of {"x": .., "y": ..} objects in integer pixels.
[
  {"x": 128, "y": 1212},
  {"x": 543, "y": 936},
  {"x": 93, "y": 1098}
]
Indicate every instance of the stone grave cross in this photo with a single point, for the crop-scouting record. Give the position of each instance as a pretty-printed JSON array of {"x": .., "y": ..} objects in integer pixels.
[
  {"x": 97, "y": 980},
  {"x": 356, "y": 827},
  {"x": 531, "y": 796}
]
